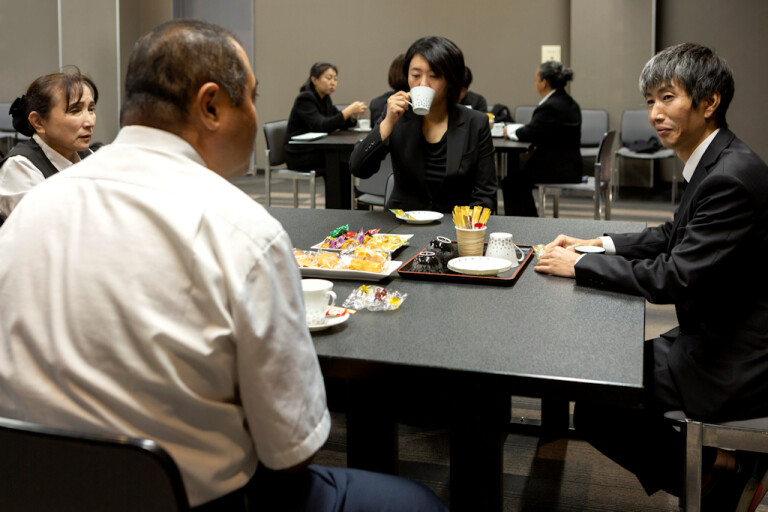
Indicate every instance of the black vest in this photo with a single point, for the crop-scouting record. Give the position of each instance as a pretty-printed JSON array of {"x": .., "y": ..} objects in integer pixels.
[{"x": 31, "y": 150}]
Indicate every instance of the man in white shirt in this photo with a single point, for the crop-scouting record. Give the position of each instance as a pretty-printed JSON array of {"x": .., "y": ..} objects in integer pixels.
[
  {"x": 145, "y": 295},
  {"x": 715, "y": 364}
]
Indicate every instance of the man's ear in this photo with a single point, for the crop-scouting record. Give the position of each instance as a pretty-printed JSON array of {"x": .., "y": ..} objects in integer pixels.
[
  {"x": 711, "y": 103},
  {"x": 36, "y": 121},
  {"x": 209, "y": 104}
]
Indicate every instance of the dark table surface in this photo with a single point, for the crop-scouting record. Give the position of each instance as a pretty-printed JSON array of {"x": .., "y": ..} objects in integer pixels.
[{"x": 542, "y": 335}]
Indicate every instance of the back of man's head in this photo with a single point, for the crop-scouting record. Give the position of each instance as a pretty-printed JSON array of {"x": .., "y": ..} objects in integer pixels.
[
  {"x": 695, "y": 68},
  {"x": 170, "y": 63}
]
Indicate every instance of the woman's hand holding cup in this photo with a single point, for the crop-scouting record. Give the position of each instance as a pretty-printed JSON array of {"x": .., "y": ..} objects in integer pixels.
[
  {"x": 397, "y": 105},
  {"x": 355, "y": 109}
]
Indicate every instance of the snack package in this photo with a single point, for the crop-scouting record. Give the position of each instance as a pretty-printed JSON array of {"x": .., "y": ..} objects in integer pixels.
[
  {"x": 538, "y": 250},
  {"x": 374, "y": 298},
  {"x": 305, "y": 258},
  {"x": 366, "y": 259}
]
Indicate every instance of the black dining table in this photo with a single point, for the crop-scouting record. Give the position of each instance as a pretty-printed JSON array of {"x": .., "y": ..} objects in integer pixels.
[
  {"x": 338, "y": 145},
  {"x": 454, "y": 353}
]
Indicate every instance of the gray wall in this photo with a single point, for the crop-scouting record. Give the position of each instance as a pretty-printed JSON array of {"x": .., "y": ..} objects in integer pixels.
[{"x": 603, "y": 40}]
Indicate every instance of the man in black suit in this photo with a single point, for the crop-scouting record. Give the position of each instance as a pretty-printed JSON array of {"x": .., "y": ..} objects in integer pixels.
[{"x": 714, "y": 366}]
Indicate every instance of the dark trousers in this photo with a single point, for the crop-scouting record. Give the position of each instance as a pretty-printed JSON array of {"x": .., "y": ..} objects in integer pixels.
[
  {"x": 639, "y": 438},
  {"x": 325, "y": 489},
  {"x": 306, "y": 161}
]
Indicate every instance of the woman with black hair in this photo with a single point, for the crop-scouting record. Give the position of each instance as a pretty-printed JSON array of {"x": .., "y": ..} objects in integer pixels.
[
  {"x": 441, "y": 159},
  {"x": 397, "y": 82},
  {"x": 555, "y": 131},
  {"x": 58, "y": 113},
  {"x": 313, "y": 111}
]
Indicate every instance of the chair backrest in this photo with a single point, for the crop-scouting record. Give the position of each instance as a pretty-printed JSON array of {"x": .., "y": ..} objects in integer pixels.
[
  {"x": 43, "y": 468},
  {"x": 6, "y": 121},
  {"x": 604, "y": 160},
  {"x": 594, "y": 124},
  {"x": 377, "y": 183},
  {"x": 524, "y": 113},
  {"x": 635, "y": 126},
  {"x": 389, "y": 188},
  {"x": 275, "y": 133}
]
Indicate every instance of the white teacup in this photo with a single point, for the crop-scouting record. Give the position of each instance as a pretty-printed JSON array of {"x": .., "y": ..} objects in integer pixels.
[
  {"x": 421, "y": 99},
  {"x": 317, "y": 293},
  {"x": 364, "y": 124},
  {"x": 501, "y": 245}
]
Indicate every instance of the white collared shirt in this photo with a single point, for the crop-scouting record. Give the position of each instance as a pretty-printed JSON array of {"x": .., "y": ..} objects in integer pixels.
[
  {"x": 545, "y": 98},
  {"x": 18, "y": 175},
  {"x": 160, "y": 302}
]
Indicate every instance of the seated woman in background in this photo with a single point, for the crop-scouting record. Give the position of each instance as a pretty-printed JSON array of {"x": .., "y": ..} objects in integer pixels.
[
  {"x": 469, "y": 98},
  {"x": 313, "y": 111},
  {"x": 442, "y": 159},
  {"x": 58, "y": 112},
  {"x": 555, "y": 131},
  {"x": 397, "y": 81}
]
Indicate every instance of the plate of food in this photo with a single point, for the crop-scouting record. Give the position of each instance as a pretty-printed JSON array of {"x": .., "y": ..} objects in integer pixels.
[
  {"x": 362, "y": 264},
  {"x": 384, "y": 241},
  {"x": 418, "y": 216}
]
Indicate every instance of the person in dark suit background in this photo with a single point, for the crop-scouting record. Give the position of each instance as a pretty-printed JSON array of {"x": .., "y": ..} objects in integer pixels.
[
  {"x": 714, "y": 366},
  {"x": 555, "y": 131},
  {"x": 469, "y": 98},
  {"x": 397, "y": 81},
  {"x": 442, "y": 159},
  {"x": 313, "y": 111}
]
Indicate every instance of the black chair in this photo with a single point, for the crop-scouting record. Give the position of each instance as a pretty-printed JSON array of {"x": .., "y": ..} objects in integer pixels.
[
  {"x": 44, "y": 468},
  {"x": 594, "y": 124},
  {"x": 747, "y": 435},
  {"x": 595, "y": 186},
  {"x": 524, "y": 113},
  {"x": 370, "y": 191},
  {"x": 275, "y": 133}
]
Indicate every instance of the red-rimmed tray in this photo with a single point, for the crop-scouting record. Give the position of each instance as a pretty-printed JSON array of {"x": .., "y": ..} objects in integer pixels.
[{"x": 507, "y": 278}]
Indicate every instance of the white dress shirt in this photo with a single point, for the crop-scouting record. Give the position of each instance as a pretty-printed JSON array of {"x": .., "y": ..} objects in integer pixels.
[
  {"x": 143, "y": 294},
  {"x": 18, "y": 175}
]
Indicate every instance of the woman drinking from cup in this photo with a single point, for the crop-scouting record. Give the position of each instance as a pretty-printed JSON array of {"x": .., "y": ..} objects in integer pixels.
[
  {"x": 555, "y": 130},
  {"x": 313, "y": 111},
  {"x": 58, "y": 113},
  {"x": 442, "y": 153}
]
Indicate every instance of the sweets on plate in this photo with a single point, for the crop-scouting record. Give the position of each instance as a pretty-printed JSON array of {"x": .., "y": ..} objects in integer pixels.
[
  {"x": 341, "y": 238},
  {"x": 360, "y": 258}
]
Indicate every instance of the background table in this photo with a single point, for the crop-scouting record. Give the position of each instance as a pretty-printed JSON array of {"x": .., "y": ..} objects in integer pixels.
[
  {"x": 337, "y": 147},
  {"x": 453, "y": 354}
]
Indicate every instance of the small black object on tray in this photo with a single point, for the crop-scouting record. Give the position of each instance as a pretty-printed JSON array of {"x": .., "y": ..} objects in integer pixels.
[{"x": 412, "y": 270}]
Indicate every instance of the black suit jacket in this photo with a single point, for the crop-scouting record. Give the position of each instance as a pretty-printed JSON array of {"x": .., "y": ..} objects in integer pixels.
[
  {"x": 476, "y": 101},
  {"x": 710, "y": 262},
  {"x": 555, "y": 131},
  {"x": 310, "y": 113},
  {"x": 470, "y": 170}
]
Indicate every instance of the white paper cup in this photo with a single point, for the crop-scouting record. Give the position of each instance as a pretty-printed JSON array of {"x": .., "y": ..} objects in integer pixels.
[
  {"x": 318, "y": 297},
  {"x": 502, "y": 245},
  {"x": 470, "y": 241},
  {"x": 421, "y": 99}
]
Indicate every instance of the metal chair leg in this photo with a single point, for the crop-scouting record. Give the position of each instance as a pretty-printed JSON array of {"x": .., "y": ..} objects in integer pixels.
[
  {"x": 556, "y": 206},
  {"x": 693, "y": 440},
  {"x": 312, "y": 189},
  {"x": 542, "y": 201},
  {"x": 295, "y": 193}
]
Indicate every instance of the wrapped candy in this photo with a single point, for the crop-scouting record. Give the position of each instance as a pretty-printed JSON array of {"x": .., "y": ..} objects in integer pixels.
[{"x": 374, "y": 298}]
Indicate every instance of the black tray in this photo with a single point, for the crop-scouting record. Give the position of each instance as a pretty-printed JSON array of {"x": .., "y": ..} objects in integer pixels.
[{"x": 507, "y": 278}]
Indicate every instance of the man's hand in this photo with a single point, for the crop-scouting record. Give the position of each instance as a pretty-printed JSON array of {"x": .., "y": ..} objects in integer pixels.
[
  {"x": 557, "y": 261},
  {"x": 567, "y": 242}
]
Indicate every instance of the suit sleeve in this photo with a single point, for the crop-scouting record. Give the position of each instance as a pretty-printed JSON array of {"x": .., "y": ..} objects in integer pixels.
[
  {"x": 722, "y": 219},
  {"x": 307, "y": 109},
  {"x": 544, "y": 117},
  {"x": 368, "y": 154},
  {"x": 485, "y": 188}
]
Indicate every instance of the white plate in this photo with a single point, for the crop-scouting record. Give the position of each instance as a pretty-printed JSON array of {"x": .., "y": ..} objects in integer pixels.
[
  {"x": 589, "y": 249},
  {"x": 330, "y": 321},
  {"x": 318, "y": 244},
  {"x": 309, "y": 136},
  {"x": 361, "y": 130},
  {"x": 479, "y": 265},
  {"x": 421, "y": 216},
  {"x": 357, "y": 275}
]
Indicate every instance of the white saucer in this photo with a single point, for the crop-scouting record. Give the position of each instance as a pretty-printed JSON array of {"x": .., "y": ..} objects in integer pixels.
[
  {"x": 589, "y": 249},
  {"x": 479, "y": 265},
  {"x": 330, "y": 321},
  {"x": 421, "y": 216}
]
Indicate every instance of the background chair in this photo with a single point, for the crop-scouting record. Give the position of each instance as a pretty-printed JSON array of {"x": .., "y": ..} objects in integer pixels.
[
  {"x": 748, "y": 435},
  {"x": 371, "y": 191},
  {"x": 635, "y": 127},
  {"x": 594, "y": 125},
  {"x": 275, "y": 133},
  {"x": 43, "y": 468},
  {"x": 524, "y": 113},
  {"x": 595, "y": 186}
]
